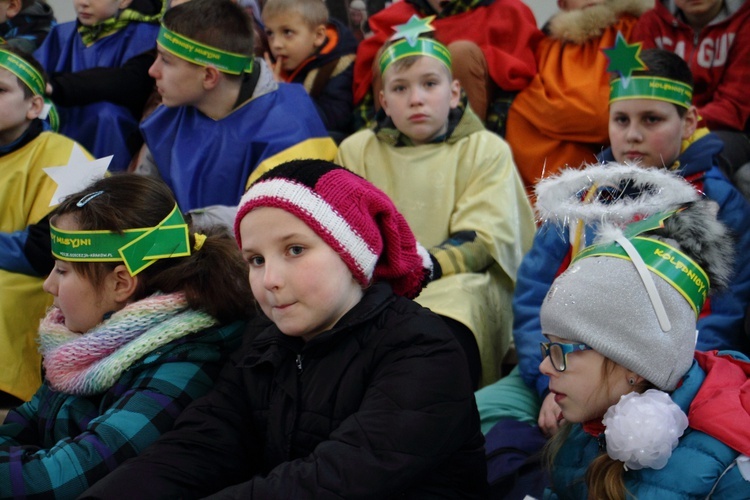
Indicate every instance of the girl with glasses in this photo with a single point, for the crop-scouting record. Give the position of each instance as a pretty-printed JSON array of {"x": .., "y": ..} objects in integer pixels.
[{"x": 645, "y": 414}]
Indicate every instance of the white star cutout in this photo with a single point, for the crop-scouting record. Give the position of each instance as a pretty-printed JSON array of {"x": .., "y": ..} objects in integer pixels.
[{"x": 77, "y": 174}]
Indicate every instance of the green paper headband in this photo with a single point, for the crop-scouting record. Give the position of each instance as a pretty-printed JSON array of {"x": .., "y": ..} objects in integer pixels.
[
  {"x": 203, "y": 55},
  {"x": 651, "y": 87},
  {"x": 420, "y": 47},
  {"x": 676, "y": 268},
  {"x": 137, "y": 248},
  {"x": 23, "y": 70},
  {"x": 31, "y": 78}
]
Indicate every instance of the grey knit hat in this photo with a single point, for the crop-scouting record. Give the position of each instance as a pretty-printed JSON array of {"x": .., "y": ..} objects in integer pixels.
[{"x": 603, "y": 298}]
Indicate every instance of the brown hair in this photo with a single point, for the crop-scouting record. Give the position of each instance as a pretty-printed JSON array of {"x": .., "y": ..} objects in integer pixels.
[
  {"x": 314, "y": 12},
  {"x": 214, "y": 279},
  {"x": 604, "y": 475},
  {"x": 221, "y": 24}
]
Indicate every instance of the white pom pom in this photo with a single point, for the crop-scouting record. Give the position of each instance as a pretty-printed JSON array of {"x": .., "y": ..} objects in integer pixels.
[{"x": 643, "y": 429}]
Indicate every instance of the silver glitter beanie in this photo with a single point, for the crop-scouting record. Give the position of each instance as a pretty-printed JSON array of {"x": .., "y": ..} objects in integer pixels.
[{"x": 603, "y": 300}]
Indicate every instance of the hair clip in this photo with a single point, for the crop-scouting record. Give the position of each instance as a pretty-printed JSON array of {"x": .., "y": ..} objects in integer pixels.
[{"x": 88, "y": 198}]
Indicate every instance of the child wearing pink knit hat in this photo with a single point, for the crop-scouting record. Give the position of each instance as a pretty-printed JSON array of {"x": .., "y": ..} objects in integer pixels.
[{"x": 351, "y": 390}]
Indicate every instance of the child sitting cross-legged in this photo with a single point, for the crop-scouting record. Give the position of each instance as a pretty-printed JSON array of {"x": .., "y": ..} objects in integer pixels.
[
  {"x": 458, "y": 188},
  {"x": 349, "y": 389},
  {"x": 145, "y": 311},
  {"x": 646, "y": 415}
]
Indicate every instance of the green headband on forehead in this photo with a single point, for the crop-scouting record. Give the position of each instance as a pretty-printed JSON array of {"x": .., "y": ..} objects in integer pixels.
[
  {"x": 651, "y": 87},
  {"x": 203, "y": 55},
  {"x": 23, "y": 70},
  {"x": 412, "y": 45},
  {"x": 137, "y": 248},
  {"x": 666, "y": 261},
  {"x": 422, "y": 47},
  {"x": 33, "y": 79},
  {"x": 625, "y": 59}
]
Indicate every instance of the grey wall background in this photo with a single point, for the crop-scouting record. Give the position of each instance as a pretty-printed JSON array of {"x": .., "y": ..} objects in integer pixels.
[{"x": 542, "y": 9}]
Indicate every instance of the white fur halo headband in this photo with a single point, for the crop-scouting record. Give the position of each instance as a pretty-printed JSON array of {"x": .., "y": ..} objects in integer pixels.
[{"x": 562, "y": 199}]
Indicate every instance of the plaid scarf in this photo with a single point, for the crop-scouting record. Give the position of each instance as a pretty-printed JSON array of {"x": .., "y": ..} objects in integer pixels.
[{"x": 90, "y": 34}]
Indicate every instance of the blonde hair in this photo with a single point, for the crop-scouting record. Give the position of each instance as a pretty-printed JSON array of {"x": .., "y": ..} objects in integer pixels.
[
  {"x": 314, "y": 12},
  {"x": 604, "y": 476}
]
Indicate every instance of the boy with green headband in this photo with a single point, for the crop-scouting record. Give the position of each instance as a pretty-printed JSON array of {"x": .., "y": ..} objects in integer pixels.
[
  {"x": 224, "y": 119},
  {"x": 427, "y": 148},
  {"x": 27, "y": 148},
  {"x": 652, "y": 124}
]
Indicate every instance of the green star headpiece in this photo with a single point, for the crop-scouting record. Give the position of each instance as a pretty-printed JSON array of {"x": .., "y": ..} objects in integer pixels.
[
  {"x": 410, "y": 44},
  {"x": 624, "y": 59},
  {"x": 203, "y": 55},
  {"x": 32, "y": 79},
  {"x": 666, "y": 261},
  {"x": 137, "y": 248}
]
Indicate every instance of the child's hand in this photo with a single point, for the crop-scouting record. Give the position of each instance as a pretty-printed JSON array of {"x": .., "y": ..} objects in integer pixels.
[
  {"x": 550, "y": 416},
  {"x": 275, "y": 68}
]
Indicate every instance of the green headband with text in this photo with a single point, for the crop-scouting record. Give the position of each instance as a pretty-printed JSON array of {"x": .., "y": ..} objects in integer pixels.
[
  {"x": 137, "y": 248},
  {"x": 672, "y": 265},
  {"x": 420, "y": 47},
  {"x": 203, "y": 55},
  {"x": 651, "y": 87},
  {"x": 32, "y": 78}
]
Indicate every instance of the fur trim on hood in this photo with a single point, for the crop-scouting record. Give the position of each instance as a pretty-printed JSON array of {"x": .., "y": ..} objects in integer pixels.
[
  {"x": 580, "y": 26},
  {"x": 610, "y": 193}
]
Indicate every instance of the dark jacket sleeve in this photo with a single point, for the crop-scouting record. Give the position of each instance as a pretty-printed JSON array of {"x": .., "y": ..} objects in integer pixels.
[
  {"x": 128, "y": 85},
  {"x": 334, "y": 103},
  {"x": 27, "y": 251}
]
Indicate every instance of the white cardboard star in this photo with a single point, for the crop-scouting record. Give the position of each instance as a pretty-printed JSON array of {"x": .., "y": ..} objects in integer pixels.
[{"x": 77, "y": 174}]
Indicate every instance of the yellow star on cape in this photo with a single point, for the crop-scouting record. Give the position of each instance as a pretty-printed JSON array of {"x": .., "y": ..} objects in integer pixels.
[
  {"x": 77, "y": 174},
  {"x": 413, "y": 28}
]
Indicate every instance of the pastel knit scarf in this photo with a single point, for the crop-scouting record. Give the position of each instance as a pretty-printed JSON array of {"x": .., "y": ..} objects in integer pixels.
[{"x": 93, "y": 362}]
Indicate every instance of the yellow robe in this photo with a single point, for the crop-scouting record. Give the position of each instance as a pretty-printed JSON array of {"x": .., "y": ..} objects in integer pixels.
[
  {"x": 25, "y": 194},
  {"x": 467, "y": 185}
]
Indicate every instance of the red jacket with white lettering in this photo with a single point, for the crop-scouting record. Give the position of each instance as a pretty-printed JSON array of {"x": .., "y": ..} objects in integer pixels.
[{"x": 718, "y": 55}]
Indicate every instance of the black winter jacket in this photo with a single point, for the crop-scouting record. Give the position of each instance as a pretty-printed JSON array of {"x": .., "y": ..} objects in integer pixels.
[{"x": 378, "y": 407}]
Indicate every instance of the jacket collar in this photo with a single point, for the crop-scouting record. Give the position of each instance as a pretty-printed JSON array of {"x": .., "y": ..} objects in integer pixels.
[{"x": 270, "y": 344}]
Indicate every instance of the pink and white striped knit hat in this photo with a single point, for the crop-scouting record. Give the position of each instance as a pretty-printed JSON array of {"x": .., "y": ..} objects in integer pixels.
[{"x": 351, "y": 215}]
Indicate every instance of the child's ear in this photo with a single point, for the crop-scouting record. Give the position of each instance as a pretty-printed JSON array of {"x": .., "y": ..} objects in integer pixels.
[
  {"x": 211, "y": 77},
  {"x": 124, "y": 4},
  {"x": 455, "y": 93},
  {"x": 123, "y": 284},
  {"x": 562, "y": 5},
  {"x": 383, "y": 102},
  {"x": 35, "y": 107},
  {"x": 320, "y": 36},
  {"x": 689, "y": 122}
]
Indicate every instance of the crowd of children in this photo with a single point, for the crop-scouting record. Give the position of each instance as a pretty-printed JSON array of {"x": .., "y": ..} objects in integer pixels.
[{"x": 390, "y": 317}]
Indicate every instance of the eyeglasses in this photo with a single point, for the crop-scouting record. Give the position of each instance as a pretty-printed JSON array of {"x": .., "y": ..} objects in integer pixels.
[{"x": 558, "y": 353}]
